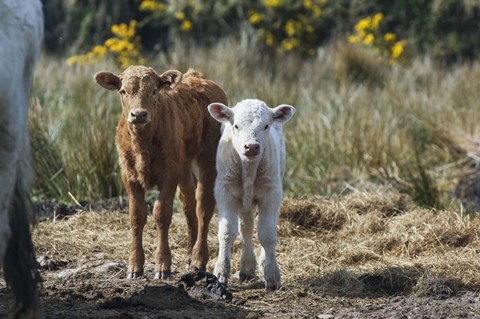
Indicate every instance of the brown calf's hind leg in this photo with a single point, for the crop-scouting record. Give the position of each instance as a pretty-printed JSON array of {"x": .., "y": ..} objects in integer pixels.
[
  {"x": 187, "y": 198},
  {"x": 138, "y": 218},
  {"x": 162, "y": 215},
  {"x": 205, "y": 207}
]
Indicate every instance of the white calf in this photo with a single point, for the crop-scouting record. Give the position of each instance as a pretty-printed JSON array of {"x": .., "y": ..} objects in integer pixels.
[
  {"x": 250, "y": 166},
  {"x": 21, "y": 29}
]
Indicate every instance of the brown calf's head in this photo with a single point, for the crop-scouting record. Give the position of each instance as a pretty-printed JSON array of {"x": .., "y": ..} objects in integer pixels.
[{"x": 139, "y": 89}]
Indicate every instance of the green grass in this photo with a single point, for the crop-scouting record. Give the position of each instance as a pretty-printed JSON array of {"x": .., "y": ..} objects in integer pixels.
[{"x": 357, "y": 122}]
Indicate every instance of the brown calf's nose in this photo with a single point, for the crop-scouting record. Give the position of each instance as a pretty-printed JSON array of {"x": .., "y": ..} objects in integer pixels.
[{"x": 139, "y": 114}]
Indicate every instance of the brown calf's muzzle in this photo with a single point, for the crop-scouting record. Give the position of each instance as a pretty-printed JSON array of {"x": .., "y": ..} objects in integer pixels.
[{"x": 138, "y": 116}]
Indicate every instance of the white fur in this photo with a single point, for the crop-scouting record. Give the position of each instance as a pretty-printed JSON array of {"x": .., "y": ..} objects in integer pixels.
[
  {"x": 20, "y": 40},
  {"x": 244, "y": 182}
]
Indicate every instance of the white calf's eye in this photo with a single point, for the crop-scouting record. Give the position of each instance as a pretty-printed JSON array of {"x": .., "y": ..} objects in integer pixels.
[
  {"x": 236, "y": 127},
  {"x": 266, "y": 126}
]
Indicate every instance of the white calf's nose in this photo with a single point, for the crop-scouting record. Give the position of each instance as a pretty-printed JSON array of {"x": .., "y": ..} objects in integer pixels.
[{"x": 251, "y": 149}]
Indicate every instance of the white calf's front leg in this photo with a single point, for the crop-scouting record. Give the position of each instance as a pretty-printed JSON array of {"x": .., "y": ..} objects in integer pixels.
[
  {"x": 227, "y": 232},
  {"x": 248, "y": 262},
  {"x": 267, "y": 235}
]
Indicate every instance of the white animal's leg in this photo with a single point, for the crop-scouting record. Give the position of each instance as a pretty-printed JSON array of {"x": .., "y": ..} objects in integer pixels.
[
  {"x": 227, "y": 232},
  {"x": 248, "y": 259},
  {"x": 267, "y": 235}
]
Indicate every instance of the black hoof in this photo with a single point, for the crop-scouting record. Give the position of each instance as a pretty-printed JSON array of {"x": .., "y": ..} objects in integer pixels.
[
  {"x": 270, "y": 287},
  {"x": 244, "y": 277},
  {"x": 164, "y": 275},
  {"x": 134, "y": 275}
]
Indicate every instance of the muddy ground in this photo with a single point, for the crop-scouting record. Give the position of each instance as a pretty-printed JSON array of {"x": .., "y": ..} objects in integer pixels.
[{"x": 82, "y": 256}]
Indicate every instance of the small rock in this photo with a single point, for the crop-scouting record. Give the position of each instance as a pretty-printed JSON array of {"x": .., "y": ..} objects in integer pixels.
[
  {"x": 110, "y": 267},
  {"x": 325, "y": 316},
  {"x": 70, "y": 272}
]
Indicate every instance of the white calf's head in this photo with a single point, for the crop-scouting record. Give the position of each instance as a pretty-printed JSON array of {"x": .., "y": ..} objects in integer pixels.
[{"x": 250, "y": 121}]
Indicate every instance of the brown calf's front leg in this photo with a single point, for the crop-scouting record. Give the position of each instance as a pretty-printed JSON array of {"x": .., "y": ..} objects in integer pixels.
[
  {"x": 138, "y": 218},
  {"x": 162, "y": 215}
]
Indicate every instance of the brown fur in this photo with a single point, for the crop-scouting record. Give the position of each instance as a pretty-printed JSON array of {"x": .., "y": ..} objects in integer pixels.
[{"x": 160, "y": 153}]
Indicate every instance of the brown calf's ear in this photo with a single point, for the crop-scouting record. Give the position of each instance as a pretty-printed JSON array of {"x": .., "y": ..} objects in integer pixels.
[
  {"x": 108, "y": 80},
  {"x": 169, "y": 79}
]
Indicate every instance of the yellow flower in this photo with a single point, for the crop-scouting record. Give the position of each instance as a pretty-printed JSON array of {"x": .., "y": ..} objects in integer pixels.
[
  {"x": 397, "y": 50},
  {"x": 363, "y": 24},
  {"x": 269, "y": 39},
  {"x": 377, "y": 18},
  {"x": 186, "y": 26},
  {"x": 72, "y": 60},
  {"x": 99, "y": 50},
  {"x": 290, "y": 28},
  {"x": 316, "y": 11},
  {"x": 147, "y": 5},
  {"x": 255, "y": 18},
  {"x": 115, "y": 28},
  {"x": 389, "y": 37},
  {"x": 272, "y": 3},
  {"x": 353, "y": 38},
  {"x": 152, "y": 6},
  {"x": 289, "y": 44},
  {"x": 369, "y": 39},
  {"x": 309, "y": 29},
  {"x": 180, "y": 15},
  {"x": 131, "y": 29},
  {"x": 110, "y": 42},
  {"x": 307, "y": 4}
]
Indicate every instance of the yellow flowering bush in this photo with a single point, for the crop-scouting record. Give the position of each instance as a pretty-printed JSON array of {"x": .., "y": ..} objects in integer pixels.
[
  {"x": 289, "y": 25},
  {"x": 368, "y": 33},
  {"x": 124, "y": 46}
]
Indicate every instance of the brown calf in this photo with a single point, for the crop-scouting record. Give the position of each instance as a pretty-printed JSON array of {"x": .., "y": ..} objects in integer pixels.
[{"x": 164, "y": 127}]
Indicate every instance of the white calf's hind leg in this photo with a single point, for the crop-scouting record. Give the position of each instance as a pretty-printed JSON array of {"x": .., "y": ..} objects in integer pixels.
[
  {"x": 267, "y": 234},
  {"x": 227, "y": 232},
  {"x": 248, "y": 260}
]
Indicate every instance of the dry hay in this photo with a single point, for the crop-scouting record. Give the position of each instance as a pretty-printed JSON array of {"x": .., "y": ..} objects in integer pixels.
[{"x": 369, "y": 243}]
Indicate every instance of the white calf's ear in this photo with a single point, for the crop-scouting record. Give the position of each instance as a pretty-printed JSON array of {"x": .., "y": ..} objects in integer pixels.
[
  {"x": 220, "y": 112},
  {"x": 283, "y": 113},
  {"x": 108, "y": 80}
]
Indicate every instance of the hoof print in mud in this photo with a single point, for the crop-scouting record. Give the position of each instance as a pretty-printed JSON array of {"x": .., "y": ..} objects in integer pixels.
[{"x": 204, "y": 285}]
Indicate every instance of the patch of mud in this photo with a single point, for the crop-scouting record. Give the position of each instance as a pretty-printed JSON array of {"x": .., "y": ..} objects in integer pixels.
[{"x": 52, "y": 209}]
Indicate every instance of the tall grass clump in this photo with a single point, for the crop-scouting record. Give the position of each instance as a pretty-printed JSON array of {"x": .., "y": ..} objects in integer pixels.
[
  {"x": 73, "y": 127},
  {"x": 401, "y": 125}
]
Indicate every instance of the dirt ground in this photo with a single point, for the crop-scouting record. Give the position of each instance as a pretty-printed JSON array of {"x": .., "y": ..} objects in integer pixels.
[{"x": 339, "y": 258}]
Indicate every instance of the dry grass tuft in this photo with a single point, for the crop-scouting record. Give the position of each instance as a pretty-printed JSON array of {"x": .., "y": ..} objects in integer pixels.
[{"x": 360, "y": 244}]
